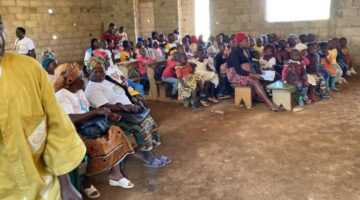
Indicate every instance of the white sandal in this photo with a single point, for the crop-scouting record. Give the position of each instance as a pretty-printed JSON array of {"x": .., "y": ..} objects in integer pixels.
[
  {"x": 123, "y": 182},
  {"x": 91, "y": 192}
]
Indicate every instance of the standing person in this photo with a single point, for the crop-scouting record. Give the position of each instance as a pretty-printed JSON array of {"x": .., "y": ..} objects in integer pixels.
[
  {"x": 220, "y": 66},
  {"x": 49, "y": 63},
  {"x": 122, "y": 35},
  {"x": 23, "y": 44},
  {"x": 39, "y": 145},
  {"x": 110, "y": 33}
]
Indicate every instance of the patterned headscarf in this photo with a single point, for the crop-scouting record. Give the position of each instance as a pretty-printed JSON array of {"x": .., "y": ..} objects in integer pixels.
[
  {"x": 65, "y": 75},
  {"x": 95, "y": 62}
]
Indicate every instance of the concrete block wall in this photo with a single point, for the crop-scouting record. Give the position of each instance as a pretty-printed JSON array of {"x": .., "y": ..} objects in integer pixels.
[
  {"x": 187, "y": 17},
  {"x": 166, "y": 16},
  {"x": 146, "y": 17},
  {"x": 230, "y": 16},
  {"x": 74, "y": 22}
]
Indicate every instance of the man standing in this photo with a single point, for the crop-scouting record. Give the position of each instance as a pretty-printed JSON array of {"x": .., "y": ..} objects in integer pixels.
[
  {"x": 38, "y": 143},
  {"x": 23, "y": 44}
]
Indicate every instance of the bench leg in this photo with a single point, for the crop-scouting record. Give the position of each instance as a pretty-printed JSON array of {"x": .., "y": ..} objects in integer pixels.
[
  {"x": 282, "y": 97},
  {"x": 162, "y": 91}
]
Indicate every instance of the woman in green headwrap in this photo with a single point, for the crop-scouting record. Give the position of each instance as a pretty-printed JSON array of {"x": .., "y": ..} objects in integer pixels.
[{"x": 49, "y": 63}]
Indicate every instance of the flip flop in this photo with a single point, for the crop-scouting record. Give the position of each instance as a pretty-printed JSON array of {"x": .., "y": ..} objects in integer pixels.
[
  {"x": 155, "y": 164},
  {"x": 123, "y": 182},
  {"x": 165, "y": 159},
  {"x": 204, "y": 104},
  {"x": 91, "y": 192}
]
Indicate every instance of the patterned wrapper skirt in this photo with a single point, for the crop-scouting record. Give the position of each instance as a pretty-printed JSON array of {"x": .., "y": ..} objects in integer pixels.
[
  {"x": 107, "y": 151},
  {"x": 190, "y": 82},
  {"x": 144, "y": 133},
  {"x": 236, "y": 79}
]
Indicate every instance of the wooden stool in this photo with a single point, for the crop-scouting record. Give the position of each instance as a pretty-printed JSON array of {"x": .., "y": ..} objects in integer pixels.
[
  {"x": 283, "y": 94},
  {"x": 243, "y": 94}
]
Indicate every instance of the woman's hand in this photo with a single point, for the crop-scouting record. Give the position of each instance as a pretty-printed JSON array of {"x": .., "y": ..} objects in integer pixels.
[
  {"x": 115, "y": 117},
  {"x": 103, "y": 111},
  {"x": 132, "y": 108}
]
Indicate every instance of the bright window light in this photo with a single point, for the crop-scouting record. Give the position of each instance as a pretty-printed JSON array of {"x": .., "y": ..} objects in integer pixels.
[
  {"x": 297, "y": 10},
  {"x": 202, "y": 18}
]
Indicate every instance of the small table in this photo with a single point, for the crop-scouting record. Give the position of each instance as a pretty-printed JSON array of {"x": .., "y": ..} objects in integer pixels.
[{"x": 282, "y": 94}]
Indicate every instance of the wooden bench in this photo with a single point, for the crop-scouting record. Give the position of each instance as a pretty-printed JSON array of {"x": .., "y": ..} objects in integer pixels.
[
  {"x": 243, "y": 94},
  {"x": 283, "y": 94}
]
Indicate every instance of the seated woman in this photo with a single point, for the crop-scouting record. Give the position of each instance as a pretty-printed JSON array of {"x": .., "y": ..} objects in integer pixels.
[
  {"x": 49, "y": 63},
  {"x": 68, "y": 86},
  {"x": 103, "y": 92},
  {"x": 136, "y": 90},
  {"x": 240, "y": 73}
]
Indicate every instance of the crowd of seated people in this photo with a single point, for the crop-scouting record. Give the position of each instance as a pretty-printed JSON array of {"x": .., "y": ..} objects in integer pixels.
[{"x": 199, "y": 74}]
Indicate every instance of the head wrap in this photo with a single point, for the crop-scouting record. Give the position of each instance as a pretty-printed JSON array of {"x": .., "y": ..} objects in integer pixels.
[
  {"x": 240, "y": 36},
  {"x": 101, "y": 54},
  {"x": 140, "y": 39},
  {"x": 193, "y": 39},
  {"x": 95, "y": 62},
  {"x": 46, "y": 61},
  {"x": 292, "y": 36},
  {"x": 47, "y": 57},
  {"x": 65, "y": 75},
  {"x": 301, "y": 47}
]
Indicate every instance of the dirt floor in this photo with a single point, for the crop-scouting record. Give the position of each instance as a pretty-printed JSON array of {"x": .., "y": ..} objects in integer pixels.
[{"x": 252, "y": 154}]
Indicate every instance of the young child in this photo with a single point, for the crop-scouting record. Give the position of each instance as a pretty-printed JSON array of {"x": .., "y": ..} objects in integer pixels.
[
  {"x": 283, "y": 55},
  {"x": 315, "y": 79},
  {"x": 223, "y": 90},
  {"x": 252, "y": 43},
  {"x": 332, "y": 58},
  {"x": 255, "y": 62},
  {"x": 346, "y": 55},
  {"x": 193, "y": 45},
  {"x": 259, "y": 45},
  {"x": 268, "y": 60},
  {"x": 148, "y": 49},
  {"x": 171, "y": 46},
  {"x": 328, "y": 71},
  {"x": 157, "y": 51},
  {"x": 340, "y": 61},
  {"x": 189, "y": 82},
  {"x": 142, "y": 59},
  {"x": 294, "y": 74},
  {"x": 208, "y": 75},
  {"x": 162, "y": 42},
  {"x": 127, "y": 53},
  {"x": 291, "y": 43}
]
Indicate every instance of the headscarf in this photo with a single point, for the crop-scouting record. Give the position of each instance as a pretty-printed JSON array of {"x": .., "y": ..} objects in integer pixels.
[
  {"x": 240, "y": 36},
  {"x": 193, "y": 39},
  {"x": 65, "y": 75},
  {"x": 47, "y": 57},
  {"x": 101, "y": 54},
  {"x": 301, "y": 47},
  {"x": 95, "y": 62},
  {"x": 140, "y": 39}
]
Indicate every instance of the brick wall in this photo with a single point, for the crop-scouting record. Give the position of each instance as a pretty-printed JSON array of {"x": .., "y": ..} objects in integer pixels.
[
  {"x": 166, "y": 15},
  {"x": 187, "y": 17},
  {"x": 146, "y": 17},
  {"x": 230, "y": 16},
  {"x": 74, "y": 22}
]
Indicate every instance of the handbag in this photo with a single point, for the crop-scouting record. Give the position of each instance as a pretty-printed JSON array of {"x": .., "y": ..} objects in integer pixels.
[
  {"x": 136, "y": 118},
  {"x": 94, "y": 128}
]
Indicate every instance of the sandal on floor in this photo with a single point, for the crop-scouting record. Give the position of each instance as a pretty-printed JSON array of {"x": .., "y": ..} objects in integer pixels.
[
  {"x": 213, "y": 100},
  {"x": 91, "y": 192},
  {"x": 123, "y": 182},
  {"x": 155, "y": 164},
  {"x": 165, "y": 159},
  {"x": 279, "y": 109},
  {"x": 203, "y": 103}
]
